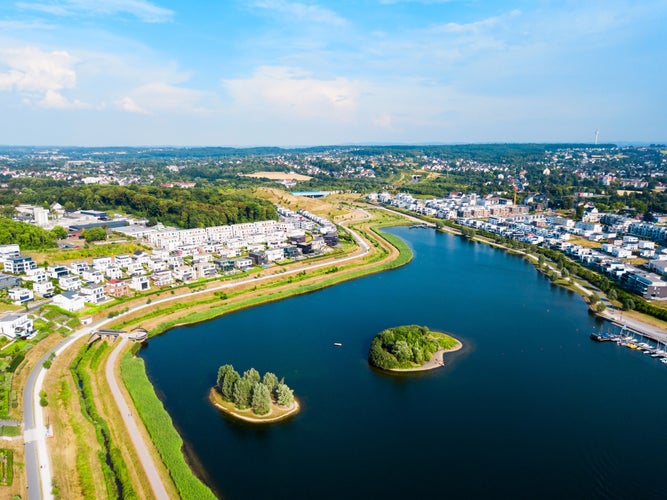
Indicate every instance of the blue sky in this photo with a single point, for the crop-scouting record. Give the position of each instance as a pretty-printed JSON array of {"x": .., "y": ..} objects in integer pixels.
[{"x": 302, "y": 72}]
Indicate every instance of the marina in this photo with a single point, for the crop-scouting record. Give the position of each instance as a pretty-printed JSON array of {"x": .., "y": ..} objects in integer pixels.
[{"x": 633, "y": 340}]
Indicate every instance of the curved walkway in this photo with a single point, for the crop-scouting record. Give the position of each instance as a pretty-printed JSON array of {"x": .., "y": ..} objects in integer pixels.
[{"x": 137, "y": 440}]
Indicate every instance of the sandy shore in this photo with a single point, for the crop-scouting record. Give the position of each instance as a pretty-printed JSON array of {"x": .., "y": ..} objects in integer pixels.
[
  {"x": 249, "y": 416},
  {"x": 437, "y": 360}
]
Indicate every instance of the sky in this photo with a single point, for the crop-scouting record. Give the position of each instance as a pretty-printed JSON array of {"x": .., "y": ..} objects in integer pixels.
[{"x": 320, "y": 72}]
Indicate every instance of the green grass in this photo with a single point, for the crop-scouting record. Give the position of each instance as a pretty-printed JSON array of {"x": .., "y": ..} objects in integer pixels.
[
  {"x": 118, "y": 482},
  {"x": 10, "y": 430},
  {"x": 161, "y": 429},
  {"x": 6, "y": 467}
]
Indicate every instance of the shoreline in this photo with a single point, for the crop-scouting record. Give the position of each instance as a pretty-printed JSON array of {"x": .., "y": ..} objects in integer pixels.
[
  {"x": 214, "y": 398},
  {"x": 644, "y": 327},
  {"x": 437, "y": 361}
]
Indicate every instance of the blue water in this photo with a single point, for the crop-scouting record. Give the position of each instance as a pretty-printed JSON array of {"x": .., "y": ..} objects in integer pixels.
[{"x": 530, "y": 408}]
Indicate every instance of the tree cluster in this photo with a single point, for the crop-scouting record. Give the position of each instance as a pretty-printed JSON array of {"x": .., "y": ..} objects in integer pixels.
[
  {"x": 253, "y": 391},
  {"x": 29, "y": 237},
  {"x": 406, "y": 346},
  {"x": 186, "y": 208}
]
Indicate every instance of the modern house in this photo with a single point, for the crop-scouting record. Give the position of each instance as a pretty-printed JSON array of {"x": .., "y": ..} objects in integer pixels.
[
  {"x": 70, "y": 301},
  {"x": 69, "y": 283},
  {"x": 20, "y": 296},
  {"x": 13, "y": 325},
  {"x": 44, "y": 289},
  {"x": 117, "y": 288},
  {"x": 94, "y": 294},
  {"x": 19, "y": 265},
  {"x": 140, "y": 283}
]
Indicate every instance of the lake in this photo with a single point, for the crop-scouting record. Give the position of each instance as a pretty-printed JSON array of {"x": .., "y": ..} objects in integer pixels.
[{"x": 529, "y": 408}]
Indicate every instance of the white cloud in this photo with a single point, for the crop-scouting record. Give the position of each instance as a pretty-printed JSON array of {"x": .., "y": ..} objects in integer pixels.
[
  {"x": 34, "y": 70},
  {"x": 55, "y": 100},
  {"x": 160, "y": 97},
  {"x": 141, "y": 9},
  {"x": 295, "y": 92},
  {"x": 301, "y": 11}
]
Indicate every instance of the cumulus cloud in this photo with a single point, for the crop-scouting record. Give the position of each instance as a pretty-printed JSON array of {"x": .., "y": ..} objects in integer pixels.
[
  {"x": 141, "y": 9},
  {"x": 294, "y": 91},
  {"x": 39, "y": 76}
]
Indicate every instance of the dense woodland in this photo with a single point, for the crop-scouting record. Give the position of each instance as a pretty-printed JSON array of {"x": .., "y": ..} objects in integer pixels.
[
  {"x": 185, "y": 208},
  {"x": 406, "y": 347},
  {"x": 29, "y": 237},
  {"x": 253, "y": 391}
]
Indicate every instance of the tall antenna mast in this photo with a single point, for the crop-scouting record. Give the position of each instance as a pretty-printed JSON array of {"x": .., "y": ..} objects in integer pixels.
[{"x": 597, "y": 133}]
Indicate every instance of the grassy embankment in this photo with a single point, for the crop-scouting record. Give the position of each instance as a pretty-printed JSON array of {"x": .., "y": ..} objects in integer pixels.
[{"x": 161, "y": 428}]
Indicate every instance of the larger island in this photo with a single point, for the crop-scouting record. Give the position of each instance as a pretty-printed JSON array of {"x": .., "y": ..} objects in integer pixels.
[{"x": 410, "y": 348}]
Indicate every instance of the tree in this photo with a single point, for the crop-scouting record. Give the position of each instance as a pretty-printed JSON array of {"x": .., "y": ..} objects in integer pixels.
[
  {"x": 222, "y": 372},
  {"x": 599, "y": 307},
  {"x": 628, "y": 304},
  {"x": 285, "y": 395},
  {"x": 612, "y": 294},
  {"x": 402, "y": 351},
  {"x": 241, "y": 392},
  {"x": 252, "y": 376},
  {"x": 270, "y": 380},
  {"x": 59, "y": 232},
  {"x": 227, "y": 388},
  {"x": 261, "y": 399},
  {"x": 95, "y": 234}
]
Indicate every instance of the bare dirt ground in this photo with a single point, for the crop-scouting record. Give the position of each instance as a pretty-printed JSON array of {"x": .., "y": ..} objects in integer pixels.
[{"x": 279, "y": 176}]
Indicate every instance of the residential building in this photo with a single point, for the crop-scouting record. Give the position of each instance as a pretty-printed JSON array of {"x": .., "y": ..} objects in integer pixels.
[
  {"x": 113, "y": 272},
  {"x": 162, "y": 278},
  {"x": 14, "y": 325},
  {"x": 123, "y": 261},
  {"x": 140, "y": 283},
  {"x": 20, "y": 296},
  {"x": 57, "y": 272},
  {"x": 78, "y": 267},
  {"x": 93, "y": 294},
  {"x": 19, "y": 265},
  {"x": 8, "y": 281},
  {"x": 45, "y": 289},
  {"x": 70, "y": 301},
  {"x": 243, "y": 263},
  {"x": 102, "y": 263},
  {"x": 117, "y": 288},
  {"x": 70, "y": 283}
]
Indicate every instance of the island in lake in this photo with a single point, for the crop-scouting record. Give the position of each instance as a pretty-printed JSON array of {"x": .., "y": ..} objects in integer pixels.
[
  {"x": 410, "y": 348},
  {"x": 253, "y": 398}
]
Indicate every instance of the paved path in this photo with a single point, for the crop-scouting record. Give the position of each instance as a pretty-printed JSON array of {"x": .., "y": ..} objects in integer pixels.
[{"x": 133, "y": 430}]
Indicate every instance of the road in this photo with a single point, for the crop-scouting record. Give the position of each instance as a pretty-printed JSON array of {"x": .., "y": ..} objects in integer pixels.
[
  {"x": 144, "y": 456},
  {"x": 38, "y": 469}
]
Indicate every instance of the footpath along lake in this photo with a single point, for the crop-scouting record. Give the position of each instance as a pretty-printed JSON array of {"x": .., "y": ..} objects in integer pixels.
[{"x": 529, "y": 408}]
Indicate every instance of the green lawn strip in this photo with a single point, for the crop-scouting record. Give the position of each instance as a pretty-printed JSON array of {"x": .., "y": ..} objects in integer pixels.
[
  {"x": 118, "y": 482},
  {"x": 10, "y": 430},
  {"x": 83, "y": 470},
  {"x": 6, "y": 466},
  {"x": 161, "y": 428}
]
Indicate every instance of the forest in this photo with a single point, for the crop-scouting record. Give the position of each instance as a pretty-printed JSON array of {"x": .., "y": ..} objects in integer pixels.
[{"x": 184, "y": 208}]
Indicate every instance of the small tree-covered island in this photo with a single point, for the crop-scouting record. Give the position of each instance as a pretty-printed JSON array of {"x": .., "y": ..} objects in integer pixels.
[
  {"x": 251, "y": 397},
  {"x": 410, "y": 348}
]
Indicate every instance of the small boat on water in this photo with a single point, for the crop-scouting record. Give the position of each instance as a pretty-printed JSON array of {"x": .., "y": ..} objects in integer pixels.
[
  {"x": 601, "y": 337},
  {"x": 338, "y": 344},
  {"x": 663, "y": 360}
]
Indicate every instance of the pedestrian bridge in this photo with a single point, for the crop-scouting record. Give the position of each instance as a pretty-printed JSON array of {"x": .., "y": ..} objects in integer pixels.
[{"x": 103, "y": 333}]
